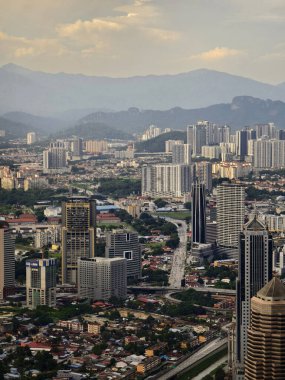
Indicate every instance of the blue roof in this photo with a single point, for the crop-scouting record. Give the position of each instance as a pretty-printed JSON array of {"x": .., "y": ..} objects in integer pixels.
[{"x": 107, "y": 208}]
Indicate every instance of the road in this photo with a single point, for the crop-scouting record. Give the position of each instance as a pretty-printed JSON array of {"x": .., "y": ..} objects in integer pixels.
[
  {"x": 209, "y": 348},
  {"x": 179, "y": 256},
  {"x": 212, "y": 367},
  {"x": 170, "y": 288}
]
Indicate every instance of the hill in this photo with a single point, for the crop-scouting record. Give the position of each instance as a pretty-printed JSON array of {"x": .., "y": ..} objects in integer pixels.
[
  {"x": 43, "y": 124},
  {"x": 14, "y": 129},
  {"x": 96, "y": 131},
  {"x": 243, "y": 110},
  {"x": 157, "y": 144},
  {"x": 47, "y": 94}
]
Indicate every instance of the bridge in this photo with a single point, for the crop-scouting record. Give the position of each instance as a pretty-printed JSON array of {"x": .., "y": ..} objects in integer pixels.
[{"x": 167, "y": 289}]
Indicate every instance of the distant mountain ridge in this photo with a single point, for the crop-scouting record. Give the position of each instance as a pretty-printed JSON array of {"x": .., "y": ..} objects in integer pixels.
[
  {"x": 48, "y": 94},
  {"x": 242, "y": 111}
]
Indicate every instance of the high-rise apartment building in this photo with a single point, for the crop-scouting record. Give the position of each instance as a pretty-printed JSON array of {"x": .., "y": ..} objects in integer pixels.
[
  {"x": 181, "y": 154},
  {"x": 123, "y": 244},
  {"x": 77, "y": 147},
  {"x": 198, "y": 221},
  {"x": 199, "y": 137},
  {"x": 255, "y": 270},
  {"x": 102, "y": 278},
  {"x": 269, "y": 153},
  {"x": 41, "y": 283},
  {"x": 170, "y": 143},
  {"x": 266, "y": 130},
  {"x": 31, "y": 138},
  {"x": 265, "y": 357},
  {"x": 230, "y": 214},
  {"x": 78, "y": 234},
  {"x": 54, "y": 158},
  {"x": 7, "y": 261},
  {"x": 166, "y": 180},
  {"x": 96, "y": 146},
  {"x": 190, "y": 135}
]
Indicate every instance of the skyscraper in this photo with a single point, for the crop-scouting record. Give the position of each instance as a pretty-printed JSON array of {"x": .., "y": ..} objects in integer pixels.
[
  {"x": 241, "y": 144},
  {"x": 255, "y": 270},
  {"x": 102, "y": 278},
  {"x": 266, "y": 336},
  {"x": 7, "y": 261},
  {"x": 198, "y": 212},
  {"x": 41, "y": 283},
  {"x": 78, "y": 234},
  {"x": 199, "y": 137},
  {"x": 123, "y": 244},
  {"x": 230, "y": 214}
]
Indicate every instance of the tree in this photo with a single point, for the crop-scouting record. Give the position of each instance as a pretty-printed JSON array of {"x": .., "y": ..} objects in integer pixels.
[
  {"x": 44, "y": 361},
  {"x": 160, "y": 203}
]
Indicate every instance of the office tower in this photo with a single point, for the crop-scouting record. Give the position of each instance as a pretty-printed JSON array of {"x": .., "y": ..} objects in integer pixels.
[
  {"x": 198, "y": 220},
  {"x": 102, "y": 278},
  {"x": 255, "y": 270},
  {"x": 77, "y": 147},
  {"x": 54, "y": 158},
  {"x": 170, "y": 143},
  {"x": 203, "y": 171},
  {"x": 190, "y": 135},
  {"x": 31, "y": 138},
  {"x": 181, "y": 154},
  {"x": 230, "y": 214},
  {"x": 7, "y": 261},
  {"x": 166, "y": 180},
  {"x": 266, "y": 336},
  {"x": 41, "y": 283},
  {"x": 241, "y": 144},
  {"x": 78, "y": 234},
  {"x": 199, "y": 137},
  {"x": 122, "y": 244}
]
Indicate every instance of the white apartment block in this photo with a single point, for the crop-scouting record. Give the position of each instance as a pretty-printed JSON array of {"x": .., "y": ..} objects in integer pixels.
[
  {"x": 166, "y": 180},
  {"x": 102, "y": 278}
]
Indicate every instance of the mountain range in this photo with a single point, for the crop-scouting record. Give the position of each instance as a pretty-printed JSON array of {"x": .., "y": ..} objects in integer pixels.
[
  {"x": 63, "y": 95},
  {"x": 242, "y": 111}
]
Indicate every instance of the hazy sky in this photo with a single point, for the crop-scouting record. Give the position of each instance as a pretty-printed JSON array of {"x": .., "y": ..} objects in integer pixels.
[{"x": 139, "y": 37}]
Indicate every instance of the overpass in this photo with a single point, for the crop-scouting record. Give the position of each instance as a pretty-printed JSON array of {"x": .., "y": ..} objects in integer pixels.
[{"x": 167, "y": 289}]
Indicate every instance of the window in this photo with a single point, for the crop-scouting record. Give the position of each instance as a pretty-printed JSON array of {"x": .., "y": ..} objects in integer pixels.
[{"x": 128, "y": 255}]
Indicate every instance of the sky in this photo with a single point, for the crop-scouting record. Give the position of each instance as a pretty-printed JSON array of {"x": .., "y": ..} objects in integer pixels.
[{"x": 122, "y": 38}]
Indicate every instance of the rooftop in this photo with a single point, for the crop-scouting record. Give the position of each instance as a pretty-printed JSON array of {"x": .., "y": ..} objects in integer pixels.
[{"x": 274, "y": 290}]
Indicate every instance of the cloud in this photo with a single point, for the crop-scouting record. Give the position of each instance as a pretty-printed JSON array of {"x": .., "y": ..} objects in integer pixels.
[
  {"x": 18, "y": 47},
  {"x": 217, "y": 53},
  {"x": 97, "y": 25},
  {"x": 162, "y": 34}
]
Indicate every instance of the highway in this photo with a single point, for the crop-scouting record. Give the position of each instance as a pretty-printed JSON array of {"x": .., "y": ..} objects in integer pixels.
[
  {"x": 202, "y": 353},
  {"x": 170, "y": 288},
  {"x": 179, "y": 256}
]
